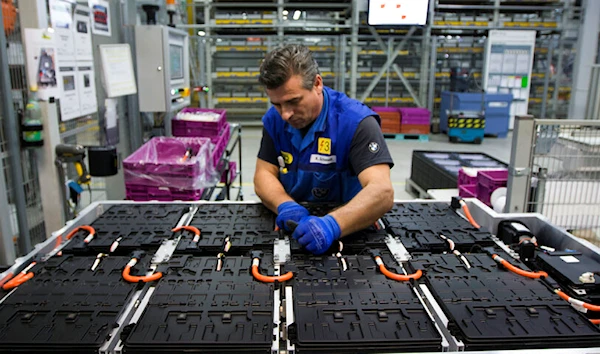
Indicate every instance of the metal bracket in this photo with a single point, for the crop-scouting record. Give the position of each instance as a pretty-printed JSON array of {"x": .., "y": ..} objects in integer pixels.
[
  {"x": 519, "y": 171},
  {"x": 397, "y": 249},
  {"x": 281, "y": 251}
]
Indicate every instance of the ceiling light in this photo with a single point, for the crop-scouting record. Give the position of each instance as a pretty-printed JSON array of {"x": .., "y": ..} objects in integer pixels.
[
  {"x": 285, "y": 12},
  {"x": 297, "y": 14},
  {"x": 201, "y": 33}
]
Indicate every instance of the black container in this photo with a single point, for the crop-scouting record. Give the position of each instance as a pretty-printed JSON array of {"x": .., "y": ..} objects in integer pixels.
[{"x": 103, "y": 161}]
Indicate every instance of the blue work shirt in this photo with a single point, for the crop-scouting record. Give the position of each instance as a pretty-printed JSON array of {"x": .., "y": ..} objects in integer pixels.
[{"x": 316, "y": 165}]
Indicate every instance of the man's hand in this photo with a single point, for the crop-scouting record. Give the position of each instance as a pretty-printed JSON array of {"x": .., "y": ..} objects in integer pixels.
[
  {"x": 289, "y": 210},
  {"x": 317, "y": 234}
]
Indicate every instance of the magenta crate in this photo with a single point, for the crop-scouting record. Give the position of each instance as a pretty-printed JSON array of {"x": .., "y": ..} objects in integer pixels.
[
  {"x": 466, "y": 180},
  {"x": 384, "y": 109},
  {"x": 414, "y": 115},
  {"x": 163, "y": 194},
  {"x": 159, "y": 162},
  {"x": 186, "y": 128},
  {"x": 488, "y": 182},
  {"x": 220, "y": 143},
  {"x": 232, "y": 172},
  {"x": 467, "y": 191}
]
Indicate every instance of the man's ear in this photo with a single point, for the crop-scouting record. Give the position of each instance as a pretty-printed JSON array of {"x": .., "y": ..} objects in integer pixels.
[{"x": 319, "y": 83}]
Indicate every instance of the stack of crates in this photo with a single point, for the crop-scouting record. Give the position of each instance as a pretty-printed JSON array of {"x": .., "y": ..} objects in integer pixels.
[
  {"x": 414, "y": 120},
  {"x": 208, "y": 123},
  {"x": 167, "y": 169},
  {"x": 390, "y": 119},
  {"x": 481, "y": 183}
]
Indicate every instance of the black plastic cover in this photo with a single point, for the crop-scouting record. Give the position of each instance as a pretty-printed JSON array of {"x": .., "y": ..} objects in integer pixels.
[
  {"x": 490, "y": 307},
  {"x": 197, "y": 308},
  {"x": 139, "y": 225},
  {"x": 358, "y": 310},
  {"x": 418, "y": 226},
  {"x": 248, "y": 226},
  {"x": 67, "y": 307}
]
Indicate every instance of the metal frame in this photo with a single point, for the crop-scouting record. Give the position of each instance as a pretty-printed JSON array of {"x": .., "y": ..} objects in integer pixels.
[
  {"x": 487, "y": 218},
  {"x": 522, "y": 158}
]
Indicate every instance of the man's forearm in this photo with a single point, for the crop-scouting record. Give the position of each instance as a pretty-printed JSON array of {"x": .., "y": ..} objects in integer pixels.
[
  {"x": 270, "y": 191},
  {"x": 365, "y": 208}
]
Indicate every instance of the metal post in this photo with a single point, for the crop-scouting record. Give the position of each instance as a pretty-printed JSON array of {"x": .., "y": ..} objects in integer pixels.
[
  {"x": 432, "y": 61},
  {"x": 342, "y": 71},
  {"x": 129, "y": 11},
  {"x": 354, "y": 49},
  {"x": 496, "y": 20},
  {"x": 208, "y": 53},
  {"x": 387, "y": 64},
  {"x": 592, "y": 109},
  {"x": 519, "y": 173},
  {"x": 387, "y": 77},
  {"x": 587, "y": 45},
  {"x": 51, "y": 185},
  {"x": 559, "y": 71},
  {"x": 547, "y": 79},
  {"x": 540, "y": 191},
  {"x": 280, "y": 21},
  {"x": 425, "y": 55},
  {"x": 12, "y": 136}
]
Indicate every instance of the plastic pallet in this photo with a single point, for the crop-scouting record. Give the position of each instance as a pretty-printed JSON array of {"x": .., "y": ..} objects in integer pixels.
[
  {"x": 196, "y": 308},
  {"x": 428, "y": 174},
  {"x": 66, "y": 307},
  {"x": 358, "y": 310},
  {"x": 140, "y": 226},
  {"x": 402, "y": 137},
  {"x": 489, "y": 307}
]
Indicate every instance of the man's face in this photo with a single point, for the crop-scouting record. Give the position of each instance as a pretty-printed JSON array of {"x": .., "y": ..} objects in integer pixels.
[{"x": 297, "y": 105}]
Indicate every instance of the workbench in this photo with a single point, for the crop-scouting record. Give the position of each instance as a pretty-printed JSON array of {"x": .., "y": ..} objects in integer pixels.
[{"x": 118, "y": 279}]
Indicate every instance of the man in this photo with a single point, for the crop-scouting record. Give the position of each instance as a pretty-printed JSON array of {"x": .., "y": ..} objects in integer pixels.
[{"x": 319, "y": 145}]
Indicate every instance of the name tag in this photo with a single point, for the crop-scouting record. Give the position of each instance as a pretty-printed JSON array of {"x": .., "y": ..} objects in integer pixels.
[{"x": 323, "y": 160}]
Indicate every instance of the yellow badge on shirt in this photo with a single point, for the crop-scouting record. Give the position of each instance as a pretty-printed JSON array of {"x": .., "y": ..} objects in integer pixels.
[
  {"x": 324, "y": 146},
  {"x": 287, "y": 157}
]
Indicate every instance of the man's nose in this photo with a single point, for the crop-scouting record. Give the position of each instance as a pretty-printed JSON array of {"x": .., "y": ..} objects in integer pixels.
[{"x": 286, "y": 113}]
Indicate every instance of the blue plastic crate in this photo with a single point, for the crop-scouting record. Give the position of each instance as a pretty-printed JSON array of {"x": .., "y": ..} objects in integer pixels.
[{"x": 496, "y": 106}]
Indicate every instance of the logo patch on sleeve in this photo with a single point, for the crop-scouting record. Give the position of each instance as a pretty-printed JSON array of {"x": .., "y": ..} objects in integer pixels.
[
  {"x": 373, "y": 147},
  {"x": 324, "y": 146}
]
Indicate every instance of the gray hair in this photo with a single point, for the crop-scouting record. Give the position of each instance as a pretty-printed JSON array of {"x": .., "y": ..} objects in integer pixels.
[{"x": 282, "y": 63}]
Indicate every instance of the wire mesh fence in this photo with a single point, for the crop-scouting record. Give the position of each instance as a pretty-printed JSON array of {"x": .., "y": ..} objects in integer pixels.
[{"x": 566, "y": 169}]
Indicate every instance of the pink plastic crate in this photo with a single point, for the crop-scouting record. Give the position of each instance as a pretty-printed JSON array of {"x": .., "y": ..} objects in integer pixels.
[
  {"x": 232, "y": 172},
  {"x": 220, "y": 142},
  {"x": 159, "y": 163},
  {"x": 488, "y": 182},
  {"x": 186, "y": 128},
  {"x": 384, "y": 109},
  {"x": 467, "y": 191},
  {"x": 465, "y": 179},
  {"x": 164, "y": 194},
  {"x": 414, "y": 115}
]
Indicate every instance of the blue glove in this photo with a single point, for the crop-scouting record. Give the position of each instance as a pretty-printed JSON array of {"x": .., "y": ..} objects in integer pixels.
[
  {"x": 289, "y": 210},
  {"x": 317, "y": 234}
]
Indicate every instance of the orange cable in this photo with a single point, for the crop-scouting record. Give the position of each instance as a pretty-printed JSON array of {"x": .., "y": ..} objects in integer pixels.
[
  {"x": 517, "y": 270},
  {"x": 266, "y": 278},
  {"x": 137, "y": 279},
  {"x": 467, "y": 212},
  {"x": 577, "y": 302},
  {"x": 394, "y": 276}
]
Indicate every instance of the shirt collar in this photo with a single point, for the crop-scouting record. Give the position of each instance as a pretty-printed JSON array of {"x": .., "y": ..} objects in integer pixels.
[{"x": 301, "y": 142}]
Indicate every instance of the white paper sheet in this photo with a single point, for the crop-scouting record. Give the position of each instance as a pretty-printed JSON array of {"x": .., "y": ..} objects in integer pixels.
[{"x": 69, "y": 96}]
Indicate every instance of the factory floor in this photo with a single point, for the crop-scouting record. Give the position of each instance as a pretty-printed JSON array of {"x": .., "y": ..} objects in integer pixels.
[{"x": 401, "y": 152}]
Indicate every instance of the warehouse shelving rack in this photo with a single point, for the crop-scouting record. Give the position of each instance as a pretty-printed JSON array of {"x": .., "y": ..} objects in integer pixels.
[{"x": 235, "y": 36}]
